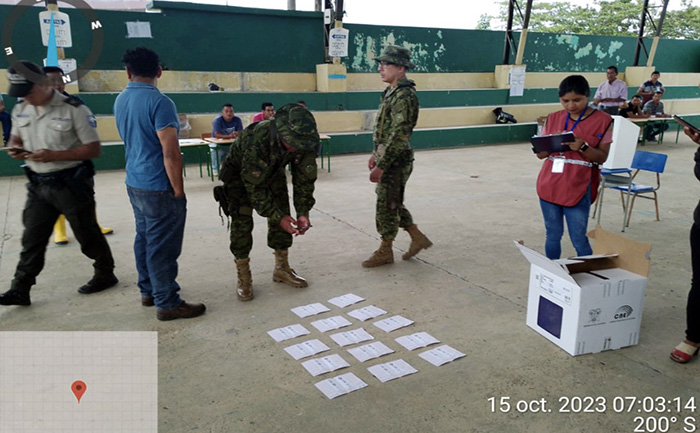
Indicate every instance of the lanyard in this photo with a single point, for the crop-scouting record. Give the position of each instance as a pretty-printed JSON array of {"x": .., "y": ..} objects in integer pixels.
[{"x": 566, "y": 126}]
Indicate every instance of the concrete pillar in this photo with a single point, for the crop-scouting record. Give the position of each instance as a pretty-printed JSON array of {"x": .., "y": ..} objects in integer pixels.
[
  {"x": 331, "y": 78},
  {"x": 636, "y": 75},
  {"x": 502, "y": 76}
]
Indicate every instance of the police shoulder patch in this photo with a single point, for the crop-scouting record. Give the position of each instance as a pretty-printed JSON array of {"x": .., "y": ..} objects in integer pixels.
[
  {"x": 92, "y": 120},
  {"x": 72, "y": 101}
]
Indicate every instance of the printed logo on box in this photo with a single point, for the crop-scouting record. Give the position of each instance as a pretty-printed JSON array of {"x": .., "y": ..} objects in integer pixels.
[{"x": 623, "y": 313}]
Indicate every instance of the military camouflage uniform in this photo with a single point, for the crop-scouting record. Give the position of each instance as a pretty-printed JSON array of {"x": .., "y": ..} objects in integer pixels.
[
  {"x": 254, "y": 177},
  {"x": 397, "y": 116}
]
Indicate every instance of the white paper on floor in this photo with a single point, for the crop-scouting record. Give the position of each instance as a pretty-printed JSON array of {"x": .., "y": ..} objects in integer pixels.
[
  {"x": 441, "y": 355},
  {"x": 351, "y": 337},
  {"x": 325, "y": 364},
  {"x": 340, "y": 385},
  {"x": 345, "y": 300},
  {"x": 391, "y": 370},
  {"x": 331, "y": 323},
  {"x": 366, "y": 313},
  {"x": 392, "y": 323},
  {"x": 306, "y": 349},
  {"x": 370, "y": 351},
  {"x": 310, "y": 310},
  {"x": 417, "y": 340},
  {"x": 288, "y": 332}
]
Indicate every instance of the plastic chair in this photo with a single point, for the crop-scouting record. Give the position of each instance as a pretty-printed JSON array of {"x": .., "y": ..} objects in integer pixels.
[{"x": 644, "y": 161}]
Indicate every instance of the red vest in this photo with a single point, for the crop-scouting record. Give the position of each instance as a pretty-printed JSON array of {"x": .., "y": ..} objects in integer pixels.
[{"x": 569, "y": 187}]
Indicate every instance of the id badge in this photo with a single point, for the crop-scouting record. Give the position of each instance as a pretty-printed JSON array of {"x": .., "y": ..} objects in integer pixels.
[{"x": 558, "y": 165}]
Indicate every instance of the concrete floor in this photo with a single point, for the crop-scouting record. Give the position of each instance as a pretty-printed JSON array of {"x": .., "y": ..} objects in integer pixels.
[{"x": 223, "y": 373}]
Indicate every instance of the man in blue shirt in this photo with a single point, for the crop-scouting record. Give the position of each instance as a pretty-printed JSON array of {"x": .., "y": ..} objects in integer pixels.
[
  {"x": 147, "y": 122},
  {"x": 226, "y": 125}
]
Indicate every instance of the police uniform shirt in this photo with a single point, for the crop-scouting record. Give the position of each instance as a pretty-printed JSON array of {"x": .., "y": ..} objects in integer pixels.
[{"x": 61, "y": 124}]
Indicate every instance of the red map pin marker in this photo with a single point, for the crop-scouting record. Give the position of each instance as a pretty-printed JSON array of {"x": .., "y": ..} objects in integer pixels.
[{"x": 78, "y": 389}]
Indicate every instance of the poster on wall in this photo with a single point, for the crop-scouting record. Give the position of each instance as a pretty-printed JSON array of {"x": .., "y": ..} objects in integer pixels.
[
  {"x": 517, "y": 80},
  {"x": 338, "y": 42}
]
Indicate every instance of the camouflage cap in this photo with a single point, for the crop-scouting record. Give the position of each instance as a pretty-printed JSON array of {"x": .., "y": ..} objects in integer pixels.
[
  {"x": 297, "y": 127},
  {"x": 397, "y": 55}
]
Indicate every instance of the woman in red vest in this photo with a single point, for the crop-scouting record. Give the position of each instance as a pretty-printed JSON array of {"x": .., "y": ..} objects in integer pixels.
[{"x": 568, "y": 181}]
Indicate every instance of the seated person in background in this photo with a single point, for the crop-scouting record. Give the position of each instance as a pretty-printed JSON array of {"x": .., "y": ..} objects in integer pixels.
[
  {"x": 226, "y": 125},
  {"x": 268, "y": 112},
  {"x": 55, "y": 77},
  {"x": 650, "y": 87},
  {"x": 655, "y": 108},
  {"x": 633, "y": 108},
  {"x": 6, "y": 121},
  {"x": 610, "y": 93}
]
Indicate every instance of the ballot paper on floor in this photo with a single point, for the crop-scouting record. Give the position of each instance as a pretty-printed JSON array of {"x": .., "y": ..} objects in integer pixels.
[
  {"x": 370, "y": 351},
  {"x": 351, "y": 337},
  {"x": 366, "y": 313},
  {"x": 340, "y": 385},
  {"x": 417, "y": 340},
  {"x": 441, "y": 355},
  {"x": 306, "y": 349},
  {"x": 391, "y": 370},
  {"x": 310, "y": 310},
  {"x": 345, "y": 300},
  {"x": 392, "y": 323},
  {"x": 331, "y": 323},
  {"x": 288, "y": 332},
  {"x": 325, "y": 364}
]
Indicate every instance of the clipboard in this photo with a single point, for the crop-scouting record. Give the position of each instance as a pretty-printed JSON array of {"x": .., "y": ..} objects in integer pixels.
[
  {"x": 552, "y": 143},
  {"x": 681, "y": 121}
]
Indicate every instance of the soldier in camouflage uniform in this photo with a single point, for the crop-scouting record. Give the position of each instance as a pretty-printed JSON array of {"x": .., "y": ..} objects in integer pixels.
[
  {"x": 254, "y": 177},
  {"x": 391, "y": 162}
]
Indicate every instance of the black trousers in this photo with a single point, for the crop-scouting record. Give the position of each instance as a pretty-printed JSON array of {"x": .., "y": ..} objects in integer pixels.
[
  {"x": 692, "y": 333},
  {"x": 73, "y": 196}
]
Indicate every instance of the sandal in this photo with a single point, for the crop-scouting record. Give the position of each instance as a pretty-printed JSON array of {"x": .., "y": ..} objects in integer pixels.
[{"x": 684, "y": 352}]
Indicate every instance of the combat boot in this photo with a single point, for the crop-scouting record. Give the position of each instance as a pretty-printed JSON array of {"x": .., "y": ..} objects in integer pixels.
[
  {"x": 60, "y": 237},
  {"x": 383, "y": 256},
  {"x": 419, "y": 241},
  {"x": 285, "y": 274},
  {"x": 245, "y": 280},
  {"x": 17, "y": 295}
]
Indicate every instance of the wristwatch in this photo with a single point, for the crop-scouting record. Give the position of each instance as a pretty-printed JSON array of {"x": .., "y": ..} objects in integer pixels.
[{"x": 583, "y": 147}]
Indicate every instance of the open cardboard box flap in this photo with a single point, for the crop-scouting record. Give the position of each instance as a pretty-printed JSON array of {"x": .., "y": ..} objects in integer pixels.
[
  {"x": 609, "y": 251},
  {"x": 633, "y": 256}
]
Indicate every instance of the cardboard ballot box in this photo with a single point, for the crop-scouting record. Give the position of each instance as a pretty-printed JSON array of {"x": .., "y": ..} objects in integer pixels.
[{"x": 592, "y": 303}]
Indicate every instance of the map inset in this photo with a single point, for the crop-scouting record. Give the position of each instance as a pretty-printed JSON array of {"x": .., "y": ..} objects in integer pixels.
[{"x": 75, "y": 382}]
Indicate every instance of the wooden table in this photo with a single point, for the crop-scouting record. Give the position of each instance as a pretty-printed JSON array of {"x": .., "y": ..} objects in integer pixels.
[
  {"x": 325, "y": 144},
  {"x": 645, "y": 122},
  {"x": 199, "y": 145},
  {"x": 214, "y": 144}
]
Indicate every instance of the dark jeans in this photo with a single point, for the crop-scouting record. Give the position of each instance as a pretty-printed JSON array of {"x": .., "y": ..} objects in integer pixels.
[
  {"x": 160, "y": 228},
  {"x": 692, "y": 333},
  {"x": 75, "y": 198},
  {"x": 6, "y": 121},
  {"x": 654, "y": 130}
]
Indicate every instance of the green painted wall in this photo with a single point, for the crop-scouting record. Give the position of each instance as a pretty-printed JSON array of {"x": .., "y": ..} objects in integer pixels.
[
  {"x": 190, "y": 37},
  {"x": 219, "y": 38},
  {"x": 102, "y": 103}
]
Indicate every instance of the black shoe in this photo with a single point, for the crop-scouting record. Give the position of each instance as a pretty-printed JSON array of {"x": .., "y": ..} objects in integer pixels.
[
  {"x": 147, "y": 301},
  {"x": 98, "y": 284},
  {"x": 182, "y": 311},
  {"x": 15, "y": 297}
]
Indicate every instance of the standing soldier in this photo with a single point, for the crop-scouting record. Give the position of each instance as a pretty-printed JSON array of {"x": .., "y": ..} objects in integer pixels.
[
  {"x": 391, "y": 162},
  {"x": 57, "y": 136},
  {"x": 254, "y": 178}
]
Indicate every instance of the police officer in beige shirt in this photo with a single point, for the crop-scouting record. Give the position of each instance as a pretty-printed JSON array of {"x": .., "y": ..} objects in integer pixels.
[{"x": 56, "y": 136}]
